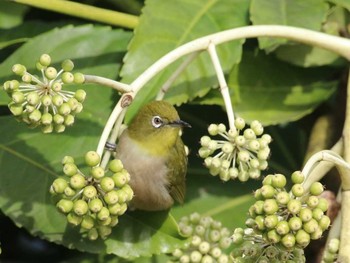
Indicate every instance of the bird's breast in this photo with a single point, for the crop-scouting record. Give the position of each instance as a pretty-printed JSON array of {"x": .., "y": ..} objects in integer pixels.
[{"x": 148, "y": 175}]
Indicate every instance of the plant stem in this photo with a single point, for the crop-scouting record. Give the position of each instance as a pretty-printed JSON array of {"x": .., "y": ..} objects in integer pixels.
[
  {"x": 85, "y": 11},
  {"x": 119, "y": 86},
  {"x": 345, "y": 178},
  {"x": 223, "y": 85}
]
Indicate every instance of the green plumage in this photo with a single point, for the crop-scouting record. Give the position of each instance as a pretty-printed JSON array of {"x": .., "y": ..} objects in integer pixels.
[{"x": 152, "y": 151}]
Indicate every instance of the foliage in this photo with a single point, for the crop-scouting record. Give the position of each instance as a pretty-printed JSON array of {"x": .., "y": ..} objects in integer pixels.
[{"x": 272, "y": 80}]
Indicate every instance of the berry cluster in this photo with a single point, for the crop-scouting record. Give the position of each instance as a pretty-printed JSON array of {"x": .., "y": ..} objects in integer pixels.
[
  {"x": 93, "y": 201},
  {"x": 331, "y": 252},
  {"x": 243, "y": 152},
  {"x": 209, "y": 239},
  {"x": 43, "y": 102},
  {"x": 281, "y": 223}
]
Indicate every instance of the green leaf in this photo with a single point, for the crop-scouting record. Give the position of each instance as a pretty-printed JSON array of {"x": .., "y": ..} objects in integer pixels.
[
  {"x": 274, "y": 92},
  {"x": 11, "y": 14},
  {"x": 299, "y": 13},
  {"x": 166, "y": 25},
  {"x": 24, "y": 32},
  {"x": 30, "y": 160}
]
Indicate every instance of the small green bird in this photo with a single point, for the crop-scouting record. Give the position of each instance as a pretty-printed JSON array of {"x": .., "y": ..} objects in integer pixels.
[{"x": 152, "y": 151}]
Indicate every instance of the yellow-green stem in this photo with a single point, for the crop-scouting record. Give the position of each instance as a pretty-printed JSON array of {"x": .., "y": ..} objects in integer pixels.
[{"x": 85, "y": 11}]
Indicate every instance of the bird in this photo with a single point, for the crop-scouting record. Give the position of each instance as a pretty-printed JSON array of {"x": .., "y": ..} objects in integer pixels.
[{"x": 152, "y": 151}]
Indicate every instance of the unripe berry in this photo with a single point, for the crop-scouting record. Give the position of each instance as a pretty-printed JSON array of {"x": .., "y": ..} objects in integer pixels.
[
  {"x": 80, "y": 207},
  {"x": 270, "y": 221},
  {"x": 267, "y": 191},
  {"x": 323, "y": 204},
  {"x": 67, "y": 65},
  {"x": 57, "y": 100},
  {"x": 16, "y": 109},
  {"x": 51, "y": 73},
  {"x": 199, "y": 230},
  {"x": 260, "y": 222},
  {"x": 120, "y": 179},
  {"x": 282, "y": 198},
  {"x": 317, "y": 213},
  {"x": 239, "y": 123},
  {"x": 74, "y": 219},
  {"x": 67, "y": 159},
  {"x": 212, "y": 146},
  {"x": 115, "y": 165},
  {"x": 282, "y": 228},
  {"x": 305, "y": 214},
  {"x": 69, "y": 120},
  {"x": 70, "y": 169},
  {"x": 324, "y": 222},
  {"x": 18, "y": 97},
  {"x": 95, "y": 205},
  {"x": 35, "y": 116},
  {"x": 79, "y": 78},
  {"x": 221, "y": 128},
  {"x": 295, "y": 223},
  {"x": 58, "y": 119},
  {"x": 254, "y": 145},
  {"x": 107, "y": 184},
  {"x": 56, "y": 86},
  {"x": 288, "y": 241},
  {"x": 64, "y": 109},
  {"x": 88, "y": 222},
  {"x": 207, "y": 259},
  {"x": 225, "y": 242},
  {"x": 33, "y": 98},
  {"x": 249, "y": 134},
  {"x": 310, "y": 226},
  {"x": 103, "y": 214},
  {"x": 65, "y": 206},
  {"x": 259, "y": 207},
  {"x": 111, "y": 197},
  {"x": 93, "y": 234},
  {"x": 316, "y": 188},
  {"x": 73, "y": 104},
  {"x": 243, "y": 156},
  {"x": 97, "y": 172},
  {"x": 114, "y": 221},
  {"x": 47, "y": 128},
  {"x": 240, "y": 140},
  {"x": 333, "y": 245},
  {"x": 67, "y": 77},
  {"x": 59, "y": 128},
  {"x": 279, "y": 181},
  {"x": 270, "y": 206},
  {"x": 69, "y": 192},
  {"x": 227, "y": 148},
  {"x": 294, "y": 206},
  {"x": 302, "y": 238},
  {"x": 59, "y": 185},
  {"x": 19, "y": 69},
  {"x": 263, "y": 154},
  {"x": 184, "y": 259},
  {"x": 216, "y": 252},
  {"x": 271, "y": 252},
  {"x": 297, "y": 177},
  {"x": 77, "y": 181},
  {"x": 45, "y": 60},
  {"x": 205, "y": 140},
  {"x": 104, "y": 231},
  {"x": 204, "y": 247},
  {"x": 273, "y": 236},
  {"x": 237, "y": 238},
  {"x": 92, "y": 158},
  {"x": 204, "y": 152},
  {"x": 196, "y": 240},
  {"x": 90, "y": 192},
  {"x": 214, "y": 236},
  {"x": 312, "y": 201},
  {"x": 46, "y": 118}
]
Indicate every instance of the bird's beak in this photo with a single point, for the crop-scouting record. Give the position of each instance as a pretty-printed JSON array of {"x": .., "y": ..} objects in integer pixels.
[{"x": 180, "y": 123}]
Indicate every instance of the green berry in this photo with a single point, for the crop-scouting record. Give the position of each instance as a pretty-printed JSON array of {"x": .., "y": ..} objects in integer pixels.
[
  {"x": 18, "y": 97},
  {"x": 65, "y": 206},
  {"x": 115, "y": 165},
  {"x": 316, "y": 188},
  {"x": 80, "y": 207},
  {"x": 80, "y": 95},
  {"x": 305, "y": 214},
  {"x": 70, "y": 169},
  {"x": 216, "y": 252},
  {"x": 51, "y": 73},
  {"x": 288, "y": 241},
  {"x": 310, "y": 226},
  {"x": 77, "y": 181},
  {"x": 33, "y": 98},
  {"x": 239, "y": 123},
  {"x": 79, "y": 78},
  {"x": 67, "y": 159},
  {"x": 240, "y": 140},
  {"x": 74, "y": 219},
  {"x": 297, "y": 177},
  {"x": 57, "y": 100},
  {"x": 103, "y": 214},
  {"x": 60, "y": 128},
  {"x": 47, "y": 128},
  {"x": 184, "y": 259},
  {"x": 297, "y": 190},
  {"x": 243, "y": 156},
  {"x": 35, "y": 116},
  {"x": 16, "y": 109},
  {"x": 312, "y": 201},
  {"x": 270, "y": 221},
  {"x": 92, "y": 158},
  {"x": 27, "y": 78},
  {"x": 67, "y": 65},
  {"x": 249, "y": 134},
  {"x": 120, "y": 179},
  {"x": 323, "y": 204},
  {"x": 302, "y": 238},
  {"x": 97, "y": 172},
  {"x": 294, "y": 206},
  {"x": 59, "y": 185},
  {"x": 95, "y": 205},
  {"x": 282, "y": 198},
  {"x": 295, "y": 223},
  {"x": 317, "y": 213},
  {"x": 204, "y": 247},
  {"x": 64, "y": 109},
  {"x": 69, "y": 120},
  {"x": 279, "y": 181},
  {"x": 111, "y": 197},
  {"x": 88, "y": 222},
  {"x": 67, "y": 77},
  {"x": 225, "y": 242},
  {"x": 69, "y": 192},
  {"x": 267, "y": 191},
  {"x": 282, "y": 228},
  {"x": 270, "y": 206},
  {"x": 90, "y": 191},
  {"x": 45, "y": 60},
  {"x": 263, "y": 154},
  {"x": 73, "y": 103},
  {"x": 46, "y": 118},
  {"x": 333, "y": 245},
  {"x": 107, "y": 184},
  {"x": 273, "y": 236},
  {"x": 19, "y": 69},
  {"x": 271, "y": 252},
  {"x": 104, "y": 231},
  {"x": 57, "y": 86},
  {"x": 324, "y": 222}
]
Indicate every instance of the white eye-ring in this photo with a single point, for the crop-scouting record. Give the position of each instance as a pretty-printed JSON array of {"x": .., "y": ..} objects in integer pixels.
[{"x": 157, "y": 122}]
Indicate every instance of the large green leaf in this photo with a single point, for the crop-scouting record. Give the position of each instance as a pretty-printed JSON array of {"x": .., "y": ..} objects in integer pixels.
[
  {"x": 30, "y": 160},
  {"x": 274, "y": 92},
  {"x": 307, "y": 14},
  {"x": 165, "y": 25},
  {"x": 11, "y": 14}
]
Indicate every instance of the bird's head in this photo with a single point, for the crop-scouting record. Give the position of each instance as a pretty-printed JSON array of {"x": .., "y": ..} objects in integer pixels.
[{"x": 157, "y": 123}]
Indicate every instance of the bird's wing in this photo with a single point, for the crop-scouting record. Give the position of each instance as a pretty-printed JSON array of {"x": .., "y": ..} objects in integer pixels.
[{"x": 177, "y": 165}]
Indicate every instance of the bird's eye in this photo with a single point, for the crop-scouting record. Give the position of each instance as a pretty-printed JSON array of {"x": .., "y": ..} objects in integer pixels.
[{"x": 157, "y": 121}]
